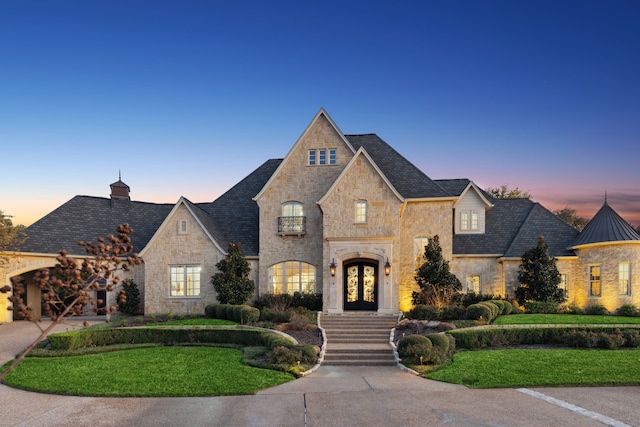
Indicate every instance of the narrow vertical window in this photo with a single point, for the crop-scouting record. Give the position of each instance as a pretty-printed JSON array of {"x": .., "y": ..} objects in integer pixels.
[
  {"x": 464, "y": 220},
  {"x": 312, "y": 157},
  {"x": 594, "y": 281},
  {"x": 563, "y": 284},
  {"x": 182, "y": 227},
  {"x": 419, "y": 244},
  {"x": 322, "y": 154},
  {"x": 473, "y": 284},
  {"x": 474, "y": 220},
  {"x": 332, "y": 156},
  {"x": 624, "y": 278},
  {"x": 361, "y": 211}
]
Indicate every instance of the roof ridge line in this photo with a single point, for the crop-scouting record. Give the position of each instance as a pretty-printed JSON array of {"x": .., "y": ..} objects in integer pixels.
[{"x": 524, "y": 221}]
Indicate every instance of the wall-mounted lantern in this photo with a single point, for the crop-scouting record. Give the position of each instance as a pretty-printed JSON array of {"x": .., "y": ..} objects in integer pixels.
[
  {"x": 387, "y": 268},
  {"x": 332, "y": 267}
]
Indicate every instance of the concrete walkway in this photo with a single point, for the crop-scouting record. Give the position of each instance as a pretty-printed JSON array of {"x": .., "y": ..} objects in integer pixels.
[{"x": 330, "y": 396}]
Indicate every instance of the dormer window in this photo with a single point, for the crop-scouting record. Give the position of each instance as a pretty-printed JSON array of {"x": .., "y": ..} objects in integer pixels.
[{"x": 469, "y": 221}]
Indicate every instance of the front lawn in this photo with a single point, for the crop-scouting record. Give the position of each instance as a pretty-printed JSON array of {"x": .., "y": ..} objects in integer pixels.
[
  {"x": 541, "y": 368},
  {"x": 156, "y": 371},
  {"x": 564, "y": 319}
]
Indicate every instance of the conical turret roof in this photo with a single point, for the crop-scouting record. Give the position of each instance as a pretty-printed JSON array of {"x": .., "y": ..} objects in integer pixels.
[{"x": 606, "y": 226}]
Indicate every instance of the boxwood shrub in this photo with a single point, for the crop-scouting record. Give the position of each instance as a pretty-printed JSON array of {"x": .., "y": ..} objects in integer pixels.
[{"x": 479, "y": 311}]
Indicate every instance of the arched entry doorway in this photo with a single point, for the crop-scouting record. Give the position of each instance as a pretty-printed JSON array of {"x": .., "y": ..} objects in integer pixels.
[{"x": 361, "y": 285}]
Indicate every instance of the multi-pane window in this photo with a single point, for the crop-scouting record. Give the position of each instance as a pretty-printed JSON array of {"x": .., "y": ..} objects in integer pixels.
[
  {"x": 292, "y": 217},
  {"x": 321, "y": 157},
  {"x": 624, "y": 278},
  {"x": 563, "y": 284},
  {"x": 361, "y": 211},
  {"x": 419, "y": 243},
  {"x": 464, "y": 220},
  {"x": 474, "y": 220},
  {"x": 594, "y": 281},
  {"x": 292, "y": 276},
  {"x": 184, "y": 280},
  {"x": 473, "y": 283}
]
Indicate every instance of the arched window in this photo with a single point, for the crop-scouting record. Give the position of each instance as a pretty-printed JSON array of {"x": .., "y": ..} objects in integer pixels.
[{"x": 292, "y": 276}]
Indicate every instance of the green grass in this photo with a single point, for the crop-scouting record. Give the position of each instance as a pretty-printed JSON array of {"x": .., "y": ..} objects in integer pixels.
[
  {"x": 568, "y": 319},
  {"x": 194, "y": 322},
  {"x": 159, "y": 372},
  {"x": 541, "y": 368}
]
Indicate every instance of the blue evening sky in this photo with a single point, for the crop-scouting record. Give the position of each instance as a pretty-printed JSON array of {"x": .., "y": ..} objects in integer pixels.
[{"x": 186, "y": 98}]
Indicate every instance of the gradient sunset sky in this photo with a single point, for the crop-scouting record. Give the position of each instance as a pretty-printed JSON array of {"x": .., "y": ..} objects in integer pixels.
[{"x": 185, "y": 98}]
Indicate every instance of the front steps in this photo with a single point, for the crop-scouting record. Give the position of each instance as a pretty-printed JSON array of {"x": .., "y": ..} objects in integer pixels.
[{"x": 358, "y": 339}]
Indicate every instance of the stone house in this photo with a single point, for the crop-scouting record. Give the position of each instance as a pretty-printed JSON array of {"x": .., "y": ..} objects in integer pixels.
[{"x": 346, "y": 216}]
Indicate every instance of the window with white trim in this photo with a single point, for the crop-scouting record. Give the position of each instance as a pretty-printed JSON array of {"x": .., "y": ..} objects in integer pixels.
[
  {"x": 182, "y": 227},
  {"x": 361, "y": 211},
  {"x": 332, "y": 156},
  {"x": 594, "y": 281},
  {"x": 292, "y": 276},
  {"x": 474, "y": 220},
  {"x": 419, "y": 243},
  {"x": 312, "y": 157},
  {"x": 473, "y": 283},
  {"x": 464, "y": 220},
  {"x": 624, "y": 278},
  {"x": 184, "y": 280},
  {"x": 321, "y": 157}
]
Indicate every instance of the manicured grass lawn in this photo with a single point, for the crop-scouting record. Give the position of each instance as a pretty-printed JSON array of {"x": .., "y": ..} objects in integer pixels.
[
  {"x": 194, "y": 322},
  {"x": 157, "y": 371},
  {"x": 541, "y": 368},
  {"x": 569, "y": 319}
]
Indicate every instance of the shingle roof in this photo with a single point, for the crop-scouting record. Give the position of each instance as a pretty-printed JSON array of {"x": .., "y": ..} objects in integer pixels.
[
  {"x": 512, "y": 227},
  {"x": 407, "y": 179},
  {"x": 454, "y": 187},
  {"x": 87, "y": 218},
  {"x": 237, "y": 214},
  {"x": 606, "y": 226}
]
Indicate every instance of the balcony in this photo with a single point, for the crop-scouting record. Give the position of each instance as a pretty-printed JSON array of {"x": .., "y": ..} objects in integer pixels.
[{"x": 292, "y": 225}]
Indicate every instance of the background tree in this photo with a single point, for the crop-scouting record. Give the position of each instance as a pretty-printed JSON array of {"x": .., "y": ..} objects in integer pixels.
[
  {"x": 232, "y": 283},
  {"x": 11, "y": 236},
  {"x": 571, "y": 217},
  {"x": 129, "y": 300},
  {"x": 504, "y": 192},
  {"x": 538, "y": 276},
  {"x": 438, "y": 286},
  {"x": 69, "y": 286}
]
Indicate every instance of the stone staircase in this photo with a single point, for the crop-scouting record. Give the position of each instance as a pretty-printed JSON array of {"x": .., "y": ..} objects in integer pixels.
[{"x": 358, "y": 339}]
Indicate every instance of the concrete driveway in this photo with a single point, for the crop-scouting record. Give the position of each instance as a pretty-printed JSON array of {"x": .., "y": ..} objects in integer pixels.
[{"x": 331, "y": 396}]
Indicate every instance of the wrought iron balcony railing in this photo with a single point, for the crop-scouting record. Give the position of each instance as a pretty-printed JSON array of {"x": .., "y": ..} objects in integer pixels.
[{"x": 295, "y": 225}]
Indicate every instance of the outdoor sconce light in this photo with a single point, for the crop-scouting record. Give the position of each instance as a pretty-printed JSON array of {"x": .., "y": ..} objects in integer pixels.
[
  {"x": 387, "y": 268},
  {"x": 332, "y": 267}
]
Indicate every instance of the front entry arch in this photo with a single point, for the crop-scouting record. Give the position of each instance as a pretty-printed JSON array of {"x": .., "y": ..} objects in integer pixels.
[{"x": 360, "y": 285}]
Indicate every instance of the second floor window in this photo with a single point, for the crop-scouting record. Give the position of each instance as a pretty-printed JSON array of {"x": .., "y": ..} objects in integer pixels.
[
  {"x": 292, "y": 220},
  {"x": 361, "y": 211},
  {"x": 594, "y": 281},
  {"x": 323, "y": 157}
]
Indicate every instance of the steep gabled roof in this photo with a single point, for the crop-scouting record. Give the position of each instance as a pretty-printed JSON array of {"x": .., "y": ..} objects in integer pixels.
[
  {"x": 237, "y": 214},
  {"x": 454, "y": 187},
  {"x": 606, "y": 226},
  {"x": 87, "y": 218},
  {"x": 512, "y": 227},
  {"x": 406, "y": 178}
]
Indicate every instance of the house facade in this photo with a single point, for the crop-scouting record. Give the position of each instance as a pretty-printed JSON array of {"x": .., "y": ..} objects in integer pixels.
[{"x": 346, "y": 216}]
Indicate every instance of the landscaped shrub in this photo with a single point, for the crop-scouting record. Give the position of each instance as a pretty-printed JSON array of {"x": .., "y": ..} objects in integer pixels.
[
  {"x": 596, "y": 309},
  {"x": 131, "y": 303},
  {"x": 472, "y": 298},
  {"x": 248, "y": 315},
  {"x": 274, "y": 302},
  {"x": 221, "y": 311},
  {"x": 628, "y": 310},
  {"x": 423, "y": 312},
  {"x": 440, "y": 341},
  {"x": 631, "y": 338},
  {"x": 299, "y": 321},
  {"x": 479, "y": 311},
  {"x": 495, "y": 310},
  {"x": 309, "y": 300},
  {"x": 229, "y": 311},
  {"x": 445, "y": 326},
  {"x": 610, "y": 341},
  {"x": 504, "y": 306},
  {"x": 282, "y": 355},
  {"x": 275, "y": 316},
  {"x": 210, "y": 311},
  {"x": 541, "y": 307},
  {"x": 415, "y": 349},
  {"x": 452, "y": 312},
  {"x": 571, "y": 308}
]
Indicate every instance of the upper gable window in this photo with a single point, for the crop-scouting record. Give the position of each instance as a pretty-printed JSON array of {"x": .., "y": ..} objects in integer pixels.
[
  {"x": 183, "y": 227},
  {"x": 322, "y": 157},
  {"x": 361, "y": 211}
]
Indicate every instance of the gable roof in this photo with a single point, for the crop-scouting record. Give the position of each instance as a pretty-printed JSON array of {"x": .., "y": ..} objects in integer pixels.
[
  {"x": 405, "y": 177},
  {"x": 606, "y": 226},
  {"x": 237, "y": 214},
  {"x": 85, "y": 218},
  {"x": 512, "y": 227}
]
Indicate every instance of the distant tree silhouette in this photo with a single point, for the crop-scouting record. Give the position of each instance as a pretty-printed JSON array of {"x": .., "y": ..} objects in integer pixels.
[
  {"x": 570, "y": 216},
  {"x": 504, "y": 192}
]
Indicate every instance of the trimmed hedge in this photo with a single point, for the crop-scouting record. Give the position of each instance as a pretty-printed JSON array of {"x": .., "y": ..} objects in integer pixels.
[
  {"x": 242, "y": 314},
  {"x": 73, "y": 340},
  {"x": 479, "y": 311},
  {"x": 423, "y": 312},
  {"x": 578, "y": 337},
  {"x": 440, "y": 341}
]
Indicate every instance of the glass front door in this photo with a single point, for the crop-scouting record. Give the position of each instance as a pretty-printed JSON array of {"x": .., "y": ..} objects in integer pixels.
[{"x": 361, "y": 285}]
